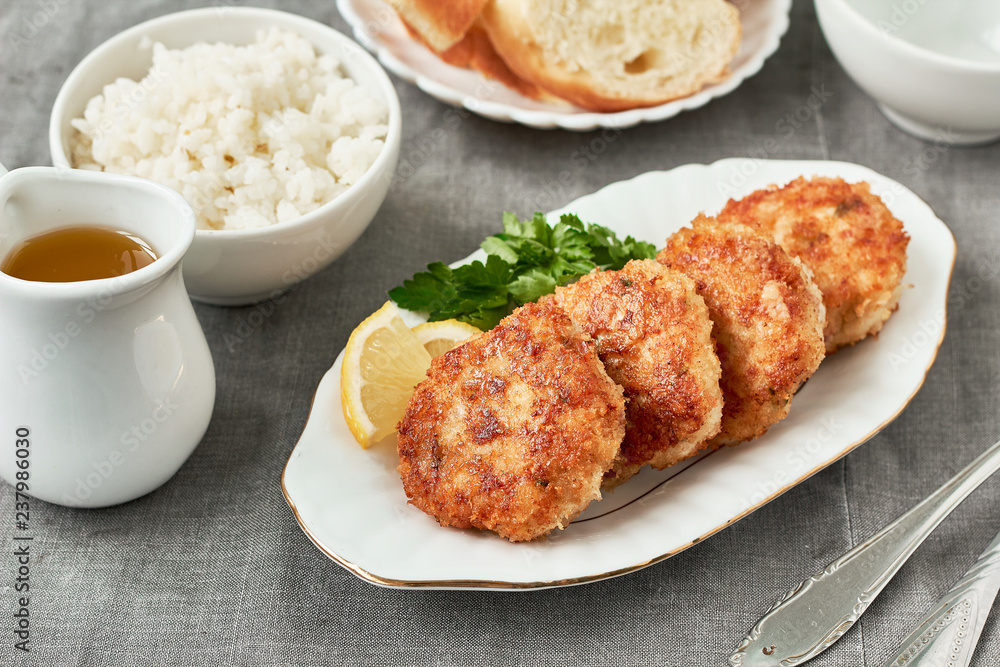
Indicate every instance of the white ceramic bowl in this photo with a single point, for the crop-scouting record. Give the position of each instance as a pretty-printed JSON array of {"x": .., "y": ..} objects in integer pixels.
[
  {"x": 932, "y": 65},
  {"x": 232, "y": 267}
]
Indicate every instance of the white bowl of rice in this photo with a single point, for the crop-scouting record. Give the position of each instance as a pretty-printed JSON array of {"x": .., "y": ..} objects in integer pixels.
[{"x": 282, "y": 133}]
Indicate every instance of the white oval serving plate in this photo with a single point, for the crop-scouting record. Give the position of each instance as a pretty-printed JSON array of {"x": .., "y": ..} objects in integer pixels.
[
  {"x": 350, "y": 501},
  {"x": 377, "y": 27}
]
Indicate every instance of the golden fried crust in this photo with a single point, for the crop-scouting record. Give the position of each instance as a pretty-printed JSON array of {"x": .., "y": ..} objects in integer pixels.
[
  {"x": 767, "y": 315},
  {"x": 853, "y": 244},
  {"x": 475, "y": 51},
  {"x": 513, "y": 430},
  {"x": 653, "y": 334},
  {"x": 439, "y": 23}
]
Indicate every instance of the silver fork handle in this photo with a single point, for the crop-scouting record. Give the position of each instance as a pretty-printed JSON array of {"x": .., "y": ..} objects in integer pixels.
[
  {"x": 815, "y": 614},
  {"x": 949, "y": 633}
]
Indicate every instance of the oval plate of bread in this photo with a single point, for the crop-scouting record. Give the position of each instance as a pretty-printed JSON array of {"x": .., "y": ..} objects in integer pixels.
[
  {"x": 571, "y": 65},
  {"x": 352, "y": 504}
]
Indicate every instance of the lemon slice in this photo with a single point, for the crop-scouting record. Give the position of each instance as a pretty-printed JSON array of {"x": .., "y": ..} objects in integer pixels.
[
  {"x": 439, "y": 337},
  {"x": 383, "y": 362}
]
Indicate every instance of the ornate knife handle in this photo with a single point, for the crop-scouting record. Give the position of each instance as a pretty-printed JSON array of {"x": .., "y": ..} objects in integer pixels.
[
  {"x": 814, "y": 615},
  {"x": 948, "y": 634}
]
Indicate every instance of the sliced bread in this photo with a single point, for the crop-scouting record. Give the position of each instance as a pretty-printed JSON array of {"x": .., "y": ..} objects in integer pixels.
[{"x": 612, "y": 55}]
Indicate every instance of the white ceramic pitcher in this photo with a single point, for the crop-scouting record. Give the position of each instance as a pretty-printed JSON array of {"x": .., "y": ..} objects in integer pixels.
[{"x": 106, "y": 386}]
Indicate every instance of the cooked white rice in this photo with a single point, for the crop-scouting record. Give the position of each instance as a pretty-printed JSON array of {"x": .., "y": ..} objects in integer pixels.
[{"x": 249, "y": 135}]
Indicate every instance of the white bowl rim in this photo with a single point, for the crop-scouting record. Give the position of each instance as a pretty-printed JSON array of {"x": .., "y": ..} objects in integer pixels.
[
  {"x": 909, "y": 47},
  {"x": 393, "y": 136}
]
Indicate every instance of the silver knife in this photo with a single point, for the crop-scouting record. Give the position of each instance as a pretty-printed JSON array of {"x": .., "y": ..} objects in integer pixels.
[
  {"x": 815, "y": 614},
  {"x": 949, "y": 633}
]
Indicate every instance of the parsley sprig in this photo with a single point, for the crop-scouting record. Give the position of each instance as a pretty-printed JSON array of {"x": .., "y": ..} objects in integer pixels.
[{"x": 529, "y": 259}]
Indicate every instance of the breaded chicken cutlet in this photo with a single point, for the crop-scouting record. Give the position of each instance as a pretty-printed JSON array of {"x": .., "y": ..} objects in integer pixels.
[
  {"x": 768, "y": 320},
  {"x": 853, "y": 244},
  {"x": 513, "y": 430},
  {"x": 654, "y": 336}
]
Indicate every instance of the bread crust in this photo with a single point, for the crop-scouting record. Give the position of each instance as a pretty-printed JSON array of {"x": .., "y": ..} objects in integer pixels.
[
  {"x": 513, "y": 37},
  {"x": 440, "y": 23},
  {"x": 475, "y": 51}
]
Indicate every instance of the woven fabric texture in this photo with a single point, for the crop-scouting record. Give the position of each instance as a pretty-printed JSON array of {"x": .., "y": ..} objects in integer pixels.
[{"x": 212, "y": 568}]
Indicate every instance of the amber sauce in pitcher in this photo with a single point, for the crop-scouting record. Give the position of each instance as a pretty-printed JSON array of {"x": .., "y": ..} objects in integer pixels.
[{"x": 77, "y": 253}]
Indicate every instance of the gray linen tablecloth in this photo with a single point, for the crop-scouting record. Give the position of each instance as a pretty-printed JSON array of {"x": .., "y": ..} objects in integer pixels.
[{"x": 212, "y": 568}]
